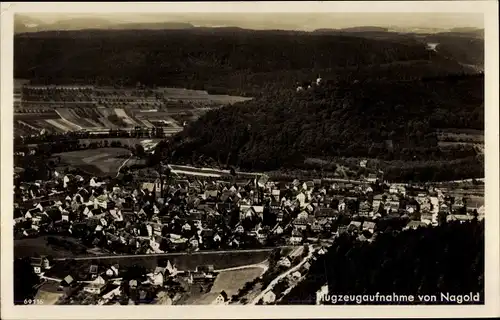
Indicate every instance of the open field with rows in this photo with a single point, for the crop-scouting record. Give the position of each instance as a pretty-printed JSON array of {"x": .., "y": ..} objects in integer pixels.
[
  {"x": 74, "y": 119},
  {"x": 90, "y": 119},
  {"x": 70, "y": 108},
  {"x": 449, "y": 138},
  {"x": 101, "y": 161}
]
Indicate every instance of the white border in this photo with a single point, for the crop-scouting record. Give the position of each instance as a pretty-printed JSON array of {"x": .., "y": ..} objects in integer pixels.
[{"x": 492, "y": 270}]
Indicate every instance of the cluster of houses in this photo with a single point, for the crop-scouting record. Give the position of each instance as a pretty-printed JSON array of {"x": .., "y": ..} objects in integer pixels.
[
  {"x": 194, "y": 214},
  {"x": 106, "y": 282},
  {"x": 190, "y": 214}
]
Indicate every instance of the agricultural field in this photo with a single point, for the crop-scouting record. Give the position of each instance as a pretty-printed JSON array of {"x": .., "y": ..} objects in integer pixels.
[
  {"x": 229, "y": 281},
  {"x": 69, "y": 108},
  {"x": 61, "y": 120},
  {"x": 461, "y": 137},
  {"x": 131, "y": 142},
  {"x": 75, "y": 119},
  {"x": 49, "y": 293},
  {"x": 101, "y": 162},
  {"x": 199, "y": 95}
]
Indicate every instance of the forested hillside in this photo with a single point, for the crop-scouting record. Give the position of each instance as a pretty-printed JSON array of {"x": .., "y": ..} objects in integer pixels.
[
  {"x": 223, "y": 60},
  {"x": 467, "y": 48},
  {"x": 384, "y": 95},
  {"x": 448, "y": 259},
  {"x": 389, "y": 120}
]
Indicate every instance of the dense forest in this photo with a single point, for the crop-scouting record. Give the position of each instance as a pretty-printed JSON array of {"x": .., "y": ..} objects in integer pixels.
[
  {"x": 389, "y": 120},
  {"x": 384, "y": 94},
  {"x": 448, "y": 258},
  {"x": 230, "y": 60}
]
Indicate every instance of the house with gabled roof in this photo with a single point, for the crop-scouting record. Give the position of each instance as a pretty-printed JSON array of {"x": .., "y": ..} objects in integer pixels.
[
  {"x": 365, "y": 208},
  {"x": 302, "y": 223},
  {"x": 277, "y": 229},
  {"x": 308, "y": 185},
  {"x": 369, "y": 226},
  {"x": 284, "y": 262},
  {"x": 296, "y": 237},
  {"x": 157, "y": 277},
  {"x": 96, "y": 286},
  {"x": 354, "y": 226},
  {"x": 301, "y": 197},
  {"x": 222, "y": 298},
  {"x": 415, "y": 225},
  {"x": 461, "y": 217}
]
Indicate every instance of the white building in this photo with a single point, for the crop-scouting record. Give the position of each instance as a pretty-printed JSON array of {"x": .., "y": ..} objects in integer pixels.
[{"x": 269, "y": 297}]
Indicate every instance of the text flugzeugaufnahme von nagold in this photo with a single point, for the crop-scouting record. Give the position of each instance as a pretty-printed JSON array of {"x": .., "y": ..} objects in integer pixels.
[{"x": 442, "y": 297}]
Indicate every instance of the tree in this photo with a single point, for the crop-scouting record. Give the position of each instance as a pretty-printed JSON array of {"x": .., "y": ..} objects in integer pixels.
[
  {"x": 475, "y": 214},
  {"x": 400, "y": 262},
  {"x": 25, "y": 280},
  {"x": 135, "y": 272},
  {"x": 274, "y": 257},
  {"x": 139, "y": 150}
]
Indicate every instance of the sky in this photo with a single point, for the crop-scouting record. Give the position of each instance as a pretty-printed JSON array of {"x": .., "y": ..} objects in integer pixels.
[{"x": 287, "y": 21}]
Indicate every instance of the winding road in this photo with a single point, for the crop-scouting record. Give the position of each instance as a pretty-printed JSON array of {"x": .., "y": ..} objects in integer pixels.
[{"x": 283, "y": 275}]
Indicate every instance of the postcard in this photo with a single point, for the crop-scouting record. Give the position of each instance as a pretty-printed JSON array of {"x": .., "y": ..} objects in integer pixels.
[{"x": 249, "y": 159}]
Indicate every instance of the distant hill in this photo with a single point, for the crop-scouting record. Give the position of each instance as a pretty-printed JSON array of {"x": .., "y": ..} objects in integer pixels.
[
  {"x": 80, "y": 23},
  {"x": 153, "y": 26},
  {"x": 24, "y": 24},
  {"x": 464, "y": 45},
  {"x": 469, "y": 30},
  {"x": 245, "y": 63},
  {"x": 353, "y": 30}
]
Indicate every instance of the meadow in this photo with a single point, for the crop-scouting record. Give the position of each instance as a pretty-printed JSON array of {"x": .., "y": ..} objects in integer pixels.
[{"x": 103, "y": 161}]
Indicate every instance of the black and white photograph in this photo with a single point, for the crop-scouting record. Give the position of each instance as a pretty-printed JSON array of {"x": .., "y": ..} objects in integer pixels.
[{"x": 249, "y": 158}]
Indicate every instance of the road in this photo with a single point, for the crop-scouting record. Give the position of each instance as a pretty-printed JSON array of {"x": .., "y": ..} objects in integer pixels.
[
  {"x": 124, "y": 163},
  {"x": 263, "y": 265},
  {"x": 283, "y": 275},
  {"x": 127, "y": 256},
  {"x": 190, "y": 170}
]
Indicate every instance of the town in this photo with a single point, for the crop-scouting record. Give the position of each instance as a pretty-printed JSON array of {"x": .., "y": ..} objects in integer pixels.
[{"x": 104, "y": 225}]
